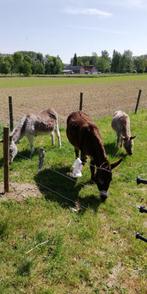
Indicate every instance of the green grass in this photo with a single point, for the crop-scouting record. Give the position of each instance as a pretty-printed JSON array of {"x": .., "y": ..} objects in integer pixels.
[
  {"x": 16, "y": 82},
  {"x": 94, "y": 251}
]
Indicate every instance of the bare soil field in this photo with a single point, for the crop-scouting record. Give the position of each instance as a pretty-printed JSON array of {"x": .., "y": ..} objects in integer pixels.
[{"x": 99, "y": 99}]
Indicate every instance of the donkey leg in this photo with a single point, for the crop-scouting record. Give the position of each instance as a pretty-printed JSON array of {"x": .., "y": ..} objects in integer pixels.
[
  {"x": 12, "y": 151},
  {"x": 92, "y": 169},
  {"x": 118, "y": 141},
  {"x": 58, "y": 135},
  {"x": 31, "y": 141},
  {"x": 53, "y": 137},
  {"x": 76, "y": 152},
  {"x": 121, "y": 141},
  {"x": 83, "y": 157}
]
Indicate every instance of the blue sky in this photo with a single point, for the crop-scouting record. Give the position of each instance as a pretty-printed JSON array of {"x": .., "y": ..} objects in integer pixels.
[{"x": 65, "y": 27}]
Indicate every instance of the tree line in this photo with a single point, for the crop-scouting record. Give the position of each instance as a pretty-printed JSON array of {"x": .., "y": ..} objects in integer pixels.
[
  {"x": 28, "y": 62},
  {"x": 119, "y": 63}
]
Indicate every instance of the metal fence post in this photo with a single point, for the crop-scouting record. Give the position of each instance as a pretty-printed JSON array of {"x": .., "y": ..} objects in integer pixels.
[
  {"x": 6, "y": 158},
  {"x": 138, "y": 99},
  {"x": 10, "y": 113},
  {"x": 81, "y": 101}
]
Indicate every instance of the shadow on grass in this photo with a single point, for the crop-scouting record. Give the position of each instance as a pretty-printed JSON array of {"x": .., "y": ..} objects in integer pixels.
[
  {"x": 113, "y": 150},
  {"x": 64, "y": 189},
  {"x": 25, "y": 155},
  {"x": 22, "y": 155}
]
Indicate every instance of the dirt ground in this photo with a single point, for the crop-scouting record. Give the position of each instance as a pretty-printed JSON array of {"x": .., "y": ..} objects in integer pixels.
[
  {"x": 99, "y": 99},
  {"x": 19, "y": 192}
]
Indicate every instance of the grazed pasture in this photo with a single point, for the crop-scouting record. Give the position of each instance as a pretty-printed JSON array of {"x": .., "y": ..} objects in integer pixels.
[{"x": 45, "y": 245}]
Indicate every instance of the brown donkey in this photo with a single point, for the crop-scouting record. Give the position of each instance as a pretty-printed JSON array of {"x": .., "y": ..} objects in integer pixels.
[{"x": 84, "y": 135}]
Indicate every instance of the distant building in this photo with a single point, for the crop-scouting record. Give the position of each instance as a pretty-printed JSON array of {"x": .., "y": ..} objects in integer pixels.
[{"x": 80, "y": 69}]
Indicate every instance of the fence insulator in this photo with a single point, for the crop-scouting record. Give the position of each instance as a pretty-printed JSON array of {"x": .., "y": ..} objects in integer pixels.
[
  {"x": 142, "y": 209},
  {"x": 141, "y": 181},
  {"x": 139, "y": 236}
]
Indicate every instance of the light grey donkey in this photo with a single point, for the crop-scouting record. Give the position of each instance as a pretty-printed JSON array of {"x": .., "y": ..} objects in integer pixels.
[
  {"x": 121, "y": 125},
  {"x": 32, "y": 125}
]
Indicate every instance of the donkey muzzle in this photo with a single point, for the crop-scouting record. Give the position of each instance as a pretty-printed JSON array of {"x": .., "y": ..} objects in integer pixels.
[{"x": 103, "y": 195}]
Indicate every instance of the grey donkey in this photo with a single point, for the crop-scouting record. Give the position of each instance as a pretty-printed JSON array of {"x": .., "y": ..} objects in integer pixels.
[
  {"x": 121, "y": 125},
  {"x": 32, "y": 125}
]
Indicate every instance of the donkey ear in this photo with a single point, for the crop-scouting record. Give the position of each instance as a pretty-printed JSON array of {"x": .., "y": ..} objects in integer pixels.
[
  {"x": 132, "y": 137},
  {"x": 114, "y": 164}
]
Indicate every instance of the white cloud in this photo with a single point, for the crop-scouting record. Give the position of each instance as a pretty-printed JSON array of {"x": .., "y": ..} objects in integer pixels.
[{"x": 87, "y": 11}]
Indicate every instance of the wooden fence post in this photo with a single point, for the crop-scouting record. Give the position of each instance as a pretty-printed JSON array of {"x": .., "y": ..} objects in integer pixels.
[
  {"x": 138, "y": 99},
  {"x": 10, "y": 113},
  {"x": 81, "y": 101},
  {"x": 6, "y": 158}
]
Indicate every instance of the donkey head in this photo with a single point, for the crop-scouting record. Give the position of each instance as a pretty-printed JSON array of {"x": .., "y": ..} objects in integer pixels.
[
  {"x": 12, "y": 151},
  {"x": 103, "y": 177},
  {"x": 128, "y": 144}
]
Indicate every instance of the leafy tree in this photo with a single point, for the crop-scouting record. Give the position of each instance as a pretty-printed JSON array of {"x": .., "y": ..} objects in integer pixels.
[
  {"x": 116, "y": 62},
  {"x": 58, "y": 65},
  {"x": 37, "y": 67},
  {"x": 27, "y": 58},
  {"x": 105, "y": 54},
  {"x": 6, "y": 64},
  {"x": 40, "y": 58},
  {"x": 75, "y": 60},
  {"x": 140, "y": 64},
  {"x": 53, "y": 65},
  {"x": 5, "y": 67},
  {"x": 17, "y": 62},
  {"x": 84, "y": 60},
  {"x": 127, "y": 62},
  {"x": 145, "y": 62},
  {"x": 104, "y": 62},
  {"x": 94, "y": 59},
  {"x": 26, "y": 68},
  {"x": 9, "y": 59}
]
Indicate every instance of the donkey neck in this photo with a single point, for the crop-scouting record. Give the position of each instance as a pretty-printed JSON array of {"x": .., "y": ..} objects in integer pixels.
[
  {"x": 126, "y": 132},
  {"x": 99, "y": 155},
  {"x": 19, "y": 130}
]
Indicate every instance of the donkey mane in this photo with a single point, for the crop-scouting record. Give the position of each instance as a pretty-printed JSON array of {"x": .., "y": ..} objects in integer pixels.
[{"x": 94, "y": 145}]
